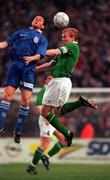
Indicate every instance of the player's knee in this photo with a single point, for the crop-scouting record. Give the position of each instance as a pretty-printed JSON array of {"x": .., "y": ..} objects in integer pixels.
[
  {"x": 45, "y": 143},
  {"x": 25, "y": 102},
  {"x": 45, "y": 112},
  {"x": 63, "y": 142},
  {"x": 45, "y": 146},
  {"x": 8, "y": 96},
  {"x": 57, "y": 112}
]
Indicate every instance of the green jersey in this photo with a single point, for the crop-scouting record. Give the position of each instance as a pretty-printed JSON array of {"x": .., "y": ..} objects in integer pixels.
[
  {"x": 39, "y": 97},
  {"x": 66, "y": 61}
]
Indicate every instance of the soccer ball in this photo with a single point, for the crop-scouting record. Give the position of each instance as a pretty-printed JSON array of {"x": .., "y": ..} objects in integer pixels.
[{"x": 61, "y": 19}]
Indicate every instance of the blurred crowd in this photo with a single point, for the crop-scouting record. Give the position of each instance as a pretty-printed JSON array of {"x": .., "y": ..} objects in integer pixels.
[{"x": 92, "y": 18}]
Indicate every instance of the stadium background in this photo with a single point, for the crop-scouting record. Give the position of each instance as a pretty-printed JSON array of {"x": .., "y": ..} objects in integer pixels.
[{"x": 92, "y": 18}]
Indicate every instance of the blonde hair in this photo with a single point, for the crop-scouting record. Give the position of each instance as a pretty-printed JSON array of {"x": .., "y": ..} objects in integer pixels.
[{"x": 72, "y": 31}]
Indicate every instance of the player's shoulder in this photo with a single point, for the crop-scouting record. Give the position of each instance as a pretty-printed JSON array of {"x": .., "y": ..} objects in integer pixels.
[
  {"x": 72, "y": 45},
  {"x": 44, "y": 39},
  {"x": 23, "y": 31}
]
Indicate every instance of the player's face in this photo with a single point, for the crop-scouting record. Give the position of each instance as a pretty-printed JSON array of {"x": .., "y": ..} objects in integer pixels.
[
  {"x": 38, "y": 22},
  {"x": 66, "y": 37}
]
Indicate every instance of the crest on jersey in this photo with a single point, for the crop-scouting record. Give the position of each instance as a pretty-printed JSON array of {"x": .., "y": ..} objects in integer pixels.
[{"x": 36, "y": 39}]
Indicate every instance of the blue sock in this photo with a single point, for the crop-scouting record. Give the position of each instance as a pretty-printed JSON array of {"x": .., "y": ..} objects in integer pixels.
[
  {"x": 23, "y": 113},
  {"x": 4, "y": 108}
]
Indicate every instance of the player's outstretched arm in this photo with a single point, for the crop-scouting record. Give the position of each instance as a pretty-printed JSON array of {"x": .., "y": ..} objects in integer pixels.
[
  {"x": 3, "y": 45},
  {"x": 53, "y": 52},
  {"x": 44, "y": 66}
]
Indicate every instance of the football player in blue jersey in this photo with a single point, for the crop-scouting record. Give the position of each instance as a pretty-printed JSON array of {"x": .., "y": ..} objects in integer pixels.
[{"x": 27, "y": 47}]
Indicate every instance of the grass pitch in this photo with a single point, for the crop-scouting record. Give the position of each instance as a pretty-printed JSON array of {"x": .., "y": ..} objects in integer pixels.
[{"x": 57, "y": 172}]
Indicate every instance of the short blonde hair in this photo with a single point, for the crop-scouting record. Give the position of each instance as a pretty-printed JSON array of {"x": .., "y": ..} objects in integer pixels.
[{"x": 72, "y": 31}]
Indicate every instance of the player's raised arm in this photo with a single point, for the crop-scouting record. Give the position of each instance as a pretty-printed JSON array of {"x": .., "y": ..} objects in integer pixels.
[{"x": 3, "y": 45}]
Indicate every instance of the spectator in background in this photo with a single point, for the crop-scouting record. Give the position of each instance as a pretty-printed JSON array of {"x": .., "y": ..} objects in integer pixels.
[{"x": 87, "y": 131}]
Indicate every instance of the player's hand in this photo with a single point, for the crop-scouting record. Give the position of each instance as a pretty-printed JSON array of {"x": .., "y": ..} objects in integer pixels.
[{"x": 28, "y": 59}]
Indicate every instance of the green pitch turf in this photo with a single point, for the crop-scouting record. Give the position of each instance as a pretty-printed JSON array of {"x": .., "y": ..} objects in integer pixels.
[{"x": 57, "y": 172}]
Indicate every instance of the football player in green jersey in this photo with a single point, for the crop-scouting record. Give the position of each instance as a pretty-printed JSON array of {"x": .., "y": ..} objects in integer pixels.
[
  {"x": 59, "y": 88},
  {"x": 46, "y": 132}
]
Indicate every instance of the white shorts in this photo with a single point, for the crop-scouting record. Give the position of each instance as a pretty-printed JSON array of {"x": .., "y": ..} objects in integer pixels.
[
  {"x": 46, "y": 129},
  {"x": 57, "y": 92}
]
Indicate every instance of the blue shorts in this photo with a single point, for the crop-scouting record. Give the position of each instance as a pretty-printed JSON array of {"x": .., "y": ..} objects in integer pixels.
[{"x": 20, "y": 75}]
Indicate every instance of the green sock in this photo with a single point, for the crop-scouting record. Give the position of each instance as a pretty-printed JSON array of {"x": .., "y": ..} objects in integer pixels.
[
  {"x": 55, "y": 149},
  {"x": 55, "y": 122},
  {"x": 37, "y": 156},
  {"x": 70, "y": 106}
]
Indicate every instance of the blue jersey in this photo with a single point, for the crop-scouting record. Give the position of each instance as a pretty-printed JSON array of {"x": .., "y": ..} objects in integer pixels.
[{"x": 25, "y": 42}]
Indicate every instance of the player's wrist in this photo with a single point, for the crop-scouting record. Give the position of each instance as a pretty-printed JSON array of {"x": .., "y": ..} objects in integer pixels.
[
  {"x": 36, "y": 57},
  {"x": 33, "y": 58}
]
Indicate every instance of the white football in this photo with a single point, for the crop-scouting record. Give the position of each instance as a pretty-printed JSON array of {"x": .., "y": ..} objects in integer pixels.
[{"x": 61, "y": 19}]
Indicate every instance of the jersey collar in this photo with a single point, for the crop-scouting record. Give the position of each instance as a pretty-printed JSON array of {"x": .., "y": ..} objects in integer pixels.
[
  {"x": 36, "y": 29},
  {"x": 75, "y": 42}
]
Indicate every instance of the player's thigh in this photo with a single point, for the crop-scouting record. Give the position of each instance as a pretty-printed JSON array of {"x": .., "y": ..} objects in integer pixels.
[
  {"x": 57, "y": 92},
  {"x": 65, "y": 91},
  {"x": 51, "y": 94},
  {"x": 13, "y": 76},
  {"x": 28, "y": 79}
]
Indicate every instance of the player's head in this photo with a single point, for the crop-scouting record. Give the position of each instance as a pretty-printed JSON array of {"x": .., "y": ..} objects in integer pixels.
[
  {"x": 39, "y": 22},
  {"x": 69, "y": 35}
]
